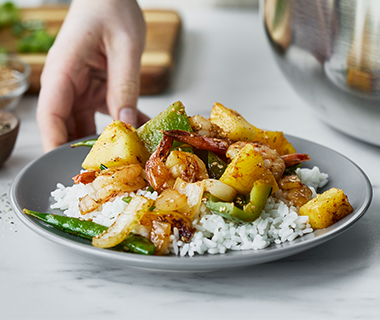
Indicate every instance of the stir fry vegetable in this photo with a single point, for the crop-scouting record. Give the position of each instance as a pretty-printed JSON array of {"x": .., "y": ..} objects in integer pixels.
[
  {"x": 173, "y": 117},
  {"x": 215, "y": 165},
  {"x": 242, "y": 211}
]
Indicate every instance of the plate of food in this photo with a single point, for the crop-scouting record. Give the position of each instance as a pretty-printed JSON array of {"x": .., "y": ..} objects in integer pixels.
[{"x": 187, "y": 193}]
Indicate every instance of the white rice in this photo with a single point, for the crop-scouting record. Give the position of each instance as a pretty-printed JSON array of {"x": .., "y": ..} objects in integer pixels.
[
  {"x": 214, "y": 234},
  {"x": 66, "y": 199},
  {"x": 312, "y": 177}
]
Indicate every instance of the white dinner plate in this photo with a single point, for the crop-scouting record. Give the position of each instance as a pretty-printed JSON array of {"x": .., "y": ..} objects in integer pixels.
[{"x": 32, "y": 187}]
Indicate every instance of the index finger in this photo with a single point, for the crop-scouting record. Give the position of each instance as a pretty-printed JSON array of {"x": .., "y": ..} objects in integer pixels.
[{"x": 54, "y": 107}]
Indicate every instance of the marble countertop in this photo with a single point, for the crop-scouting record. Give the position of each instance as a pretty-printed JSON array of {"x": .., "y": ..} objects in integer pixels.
[{"x": 225, "y": 58}]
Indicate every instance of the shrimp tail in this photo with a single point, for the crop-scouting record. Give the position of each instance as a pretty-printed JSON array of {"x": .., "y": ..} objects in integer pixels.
[
  {"x": 157, "y": 174},
  {"x": 163, "y": 148},
  {"x": 200, "y": 142},
  {"x": 295, "y": 158},
  {"x": 85, "y": 177}
]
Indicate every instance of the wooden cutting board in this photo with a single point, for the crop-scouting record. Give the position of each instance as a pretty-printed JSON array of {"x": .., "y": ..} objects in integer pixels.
[{"x": 158, "y": 59}]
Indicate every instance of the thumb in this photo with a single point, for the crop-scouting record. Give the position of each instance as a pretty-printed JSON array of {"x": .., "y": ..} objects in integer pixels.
[{"x": 123, "y": 84}]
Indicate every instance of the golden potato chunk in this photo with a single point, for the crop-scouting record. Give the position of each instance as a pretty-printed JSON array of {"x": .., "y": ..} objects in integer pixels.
[
  {"x": 232, "y": 124},
  {"x": 117, "y": 145},
  {"x": 237, "y": 128},
  {"x": 274, "y": 139},
  {"x": 245, "y": 169},
  {"x": 327, "y": 208}
]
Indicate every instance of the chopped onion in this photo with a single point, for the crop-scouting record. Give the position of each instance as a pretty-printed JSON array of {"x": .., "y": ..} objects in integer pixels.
[
  {"x": 170, "y": 200},
  {"x": 219, "y": 189}
]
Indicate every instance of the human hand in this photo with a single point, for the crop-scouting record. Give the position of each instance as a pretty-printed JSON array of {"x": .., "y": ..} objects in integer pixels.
[{"x": 94, "y": 65}]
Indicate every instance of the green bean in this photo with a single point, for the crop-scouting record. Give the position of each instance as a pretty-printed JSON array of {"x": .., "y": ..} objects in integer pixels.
[
  {"x": 87, "y": 229},
  {"x": 86, "y": 143},
  {"x": 137, "y": 244}
]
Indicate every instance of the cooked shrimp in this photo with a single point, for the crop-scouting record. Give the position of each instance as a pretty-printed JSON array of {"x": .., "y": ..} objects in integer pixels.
[
  {"x": 234, "y": 149},
  {"x": 272, "y": 160},
  {"x": 294, "y": 191},
  {"x": 289, "y": 159},
  {"x": 223, "y": 146},
  {"x": 293, "y": 159},
  {"x": 87, "y": 204},
  {"x": 113, "y": 190},
  {"x": 205, "y": 127},
  {"x": 187, "y": 166},
  {"x": 163, "y": 167},
  {"x": 117, "y": 176},
  {"x": 111, "y": 182},
  {"x": 200, "y": 142},
  {"x": 158, "y": 175}
]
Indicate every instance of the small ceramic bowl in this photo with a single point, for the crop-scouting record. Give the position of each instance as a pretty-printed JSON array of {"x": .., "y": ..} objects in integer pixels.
[
  {"x": 9, "y": 125},
  {"x": 14, "y": 81}
]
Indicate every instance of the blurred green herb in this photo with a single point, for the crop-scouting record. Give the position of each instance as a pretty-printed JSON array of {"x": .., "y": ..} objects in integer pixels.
[
  {"x": 21, "y": 28},
  {"x": 127, "y": 199},
  {"x": 33, "y": 35},
  {"x": 150, "y": 189},
  {"x": 9, "y": 14},
  {"x": 36, "y": 41}
]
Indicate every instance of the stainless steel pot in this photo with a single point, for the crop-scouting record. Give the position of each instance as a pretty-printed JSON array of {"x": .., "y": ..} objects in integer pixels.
[{"x": 329, "y": 50}]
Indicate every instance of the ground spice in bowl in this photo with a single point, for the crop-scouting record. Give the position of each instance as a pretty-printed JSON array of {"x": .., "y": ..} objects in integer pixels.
[
  {"x": 14, "y": 81},
  {"x": 6, "y": 74},
  {"x": 4, "y": 127},
  {"x": 9, "y": 127}
]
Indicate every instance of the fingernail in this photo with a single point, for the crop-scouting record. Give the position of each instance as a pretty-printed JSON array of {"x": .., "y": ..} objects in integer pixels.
[{"x": 128, "y": 115}]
